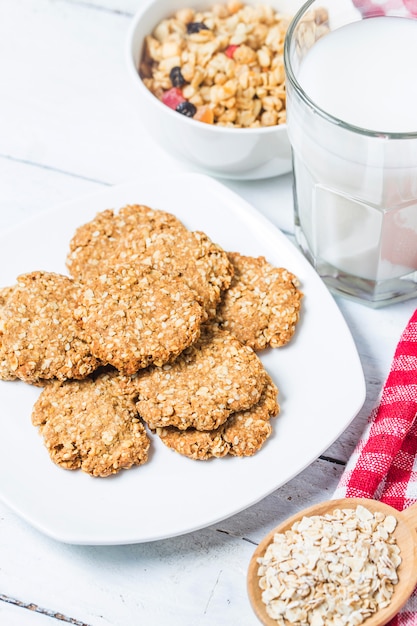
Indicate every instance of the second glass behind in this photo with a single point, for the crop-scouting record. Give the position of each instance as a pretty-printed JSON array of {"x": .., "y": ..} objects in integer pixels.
[{"x": 352, "y": 125}]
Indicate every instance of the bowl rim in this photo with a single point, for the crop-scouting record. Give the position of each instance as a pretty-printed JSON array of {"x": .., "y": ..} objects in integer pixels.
[{"x": 153, "y": 100}]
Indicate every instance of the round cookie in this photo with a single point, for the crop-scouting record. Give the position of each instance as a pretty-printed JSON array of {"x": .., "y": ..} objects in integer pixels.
[
  {"x": 213, "y": 378},
  {"x": 91, "y": 425},
  {"x": 41, "y": 339},
  {"x": 95, "y": 244},
  {"x": 132, "y": 319},
  {"x": 243, "y": 433},
  {"x": 199, "y": 445},
  {"x": 139, "y": 235},
  {"x": 202, "y": 264},
  {"x": 247, "y": 431},
  {"x": 6, "y": 372},
  {"x": 262, "y": 305}
]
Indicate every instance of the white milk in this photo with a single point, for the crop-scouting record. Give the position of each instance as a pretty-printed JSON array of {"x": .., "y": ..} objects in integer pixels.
[
  {"x": 365, "y": 74},
  {"x": 357, "y": 195}
]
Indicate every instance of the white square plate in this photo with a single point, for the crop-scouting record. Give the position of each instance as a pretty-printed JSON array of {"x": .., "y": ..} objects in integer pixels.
[{"x": 318, "y": 374}]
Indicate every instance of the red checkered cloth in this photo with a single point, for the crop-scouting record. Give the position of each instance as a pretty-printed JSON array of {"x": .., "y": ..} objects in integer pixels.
[
  {"x": 383, "y": 465},
  {"x": 374, "y": 8}
]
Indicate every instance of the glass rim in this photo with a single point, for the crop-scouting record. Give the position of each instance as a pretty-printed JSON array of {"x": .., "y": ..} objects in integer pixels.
[{"x": 290, "y": 76}]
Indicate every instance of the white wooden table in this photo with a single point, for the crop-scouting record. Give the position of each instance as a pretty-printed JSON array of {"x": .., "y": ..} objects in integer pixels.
[{"x": 67, "y": 128}]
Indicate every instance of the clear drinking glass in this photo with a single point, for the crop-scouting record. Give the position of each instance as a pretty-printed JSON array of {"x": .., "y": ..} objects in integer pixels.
[{"x": 355, "y": 190}]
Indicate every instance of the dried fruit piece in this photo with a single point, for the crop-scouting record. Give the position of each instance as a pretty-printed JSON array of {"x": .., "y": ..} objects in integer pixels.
[
  {"x": 230, "y": 50},
  {"x": 173, "y": 97},
  {"x": 186, "y": 108},
  {"x": 204, "y": 114},
  {"x": 176, "y": 77},
  {"x": 195, "y": 27}
]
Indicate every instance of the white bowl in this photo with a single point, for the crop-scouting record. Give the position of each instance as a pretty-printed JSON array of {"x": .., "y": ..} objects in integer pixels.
[{"x": 239, "y": 153}]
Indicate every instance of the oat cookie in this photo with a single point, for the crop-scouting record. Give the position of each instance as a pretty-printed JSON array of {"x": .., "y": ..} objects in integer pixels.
[
  {"x": 139, "y": 235},
  {"x": 247, "y": 431},
  {"x": 41, "y": 340},
  {"x": 4, "y": 294},
  {"x": 262, "y": 305},
  {"x": 210, "y": 380},
  {"x": 202, "y": 264},
  {"x": 132, "y": 319},
  {"x": 6, "y": 372},
  {"x": 196, "y": 444},
  {"x": 243, "y": 433},
  {"x": 94, "y": 244},
  {"x": 91, "y": 425}
]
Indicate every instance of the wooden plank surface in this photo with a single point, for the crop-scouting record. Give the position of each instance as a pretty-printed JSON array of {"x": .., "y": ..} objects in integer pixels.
[{"x": 13, "y": 613}]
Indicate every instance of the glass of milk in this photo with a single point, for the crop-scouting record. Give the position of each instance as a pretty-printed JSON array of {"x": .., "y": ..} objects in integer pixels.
[{"x": 352, "y": 123}]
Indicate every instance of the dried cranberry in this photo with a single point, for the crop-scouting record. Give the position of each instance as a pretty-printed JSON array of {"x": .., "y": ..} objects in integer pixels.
[
  {"x": 176, "y": 77},
  {"x": 173, "y": 97},
  {"x": 230, "y": 50},
  {"x": 195, "y": 27},
  {"x": 186, "y": 108}
]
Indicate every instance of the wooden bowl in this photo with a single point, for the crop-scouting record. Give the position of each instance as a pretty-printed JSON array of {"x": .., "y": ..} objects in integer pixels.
[{"x": 406, "y": 537}]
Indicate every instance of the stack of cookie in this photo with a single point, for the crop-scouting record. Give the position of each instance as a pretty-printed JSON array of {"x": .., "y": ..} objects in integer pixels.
[{"x": 155, "y": 324}]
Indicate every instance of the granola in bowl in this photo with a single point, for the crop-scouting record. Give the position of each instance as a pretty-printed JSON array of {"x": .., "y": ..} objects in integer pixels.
[
  {"x": 210, "y": 97},
  {"x": 223, "y": 65}
]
